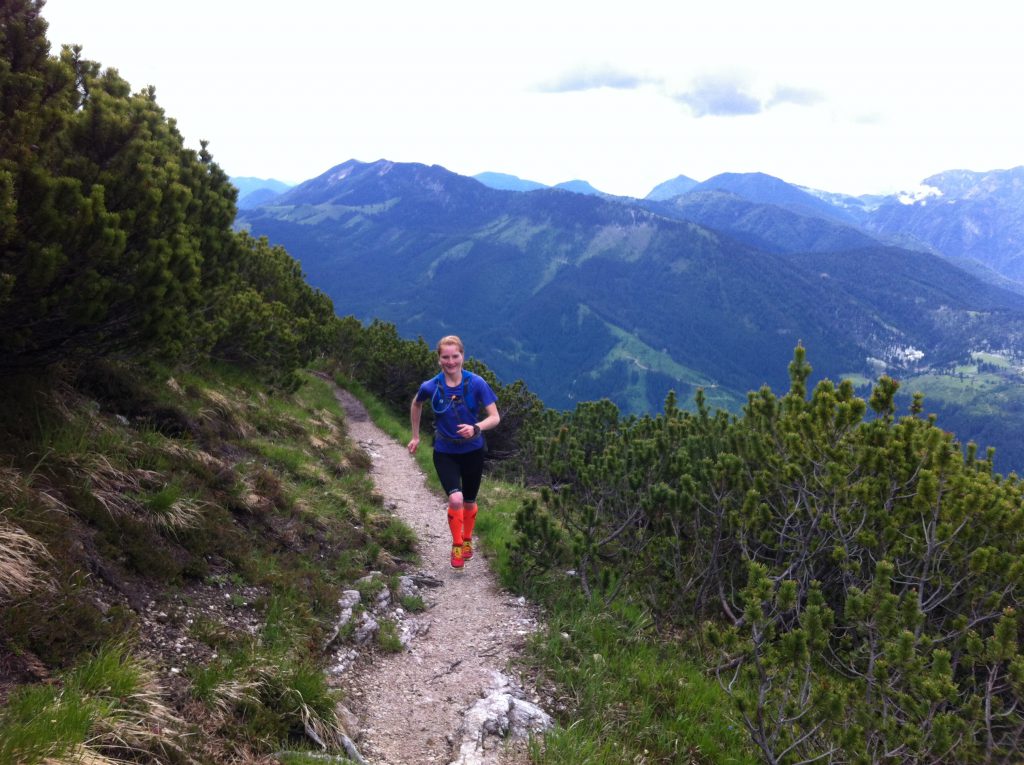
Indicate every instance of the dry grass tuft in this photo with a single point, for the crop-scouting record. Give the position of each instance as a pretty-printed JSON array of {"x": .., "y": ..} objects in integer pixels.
[
  {"x": 119, "y": 490},
  {"x": 140, "y": 723},
  {"x": 193, "y": 455},
  {"x": 323, "y": 729},
  {"x": 316, "y": 473},
  {"x": 19, "y": 553},
  {"x": 83, "y": 755},
  {"x": 225, "y": 416},
  {"x": 10, "y": 482},
  {"x": 230, "y": 694},
  {"x": 183, "y": 514},
  {"x": 326, "y": 421},
  {"x": 111, "y": 486}
]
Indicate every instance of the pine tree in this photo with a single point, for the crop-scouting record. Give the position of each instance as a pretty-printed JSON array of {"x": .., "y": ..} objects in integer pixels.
[{"x": 860, "y": 576}]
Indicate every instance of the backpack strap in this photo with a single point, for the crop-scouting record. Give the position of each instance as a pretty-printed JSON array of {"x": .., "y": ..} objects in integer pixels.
[{"x": 467, "y": 389}]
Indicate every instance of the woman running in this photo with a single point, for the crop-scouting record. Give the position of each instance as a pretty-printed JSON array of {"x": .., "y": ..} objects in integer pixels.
[{"x": 456, "y": 396}]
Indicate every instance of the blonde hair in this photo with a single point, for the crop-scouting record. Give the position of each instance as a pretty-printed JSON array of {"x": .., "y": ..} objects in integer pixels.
[{"x": 451, "y": 340}]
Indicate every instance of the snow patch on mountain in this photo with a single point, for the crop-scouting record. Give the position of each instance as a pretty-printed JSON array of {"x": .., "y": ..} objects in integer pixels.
[{"x": 918, "y": 194}]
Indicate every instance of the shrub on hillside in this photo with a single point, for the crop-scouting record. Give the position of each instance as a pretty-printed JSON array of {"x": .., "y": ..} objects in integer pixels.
[
  {"x": 861, "y": 577},
  {"x": 116, "y": 240}
]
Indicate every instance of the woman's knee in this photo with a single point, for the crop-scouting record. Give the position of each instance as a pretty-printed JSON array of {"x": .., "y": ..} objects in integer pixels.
[{"x": 455, "y": 500}]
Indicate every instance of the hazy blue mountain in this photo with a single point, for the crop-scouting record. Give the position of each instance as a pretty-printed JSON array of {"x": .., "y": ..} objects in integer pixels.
[
  {"x": 767, "y": 189},
  {"x": 589, "y": 297},
  {"x": 579, "y": 187},
  {"x": 247, "y": 184},
  {"x": 1002, "y": 186},
  {"x": 976, "y": 220},
  {"x": 672, "y": 188},
  {"x": 252, "y": 192},
  {"x": 764, "y": 226},
  {"x": 257, "y": 198},
  {"x": 858, "y": 208},
  {"x": 507, "y": 182},
  {"x": 533, "y": 274},
  {"x": 968, "y": 216}
]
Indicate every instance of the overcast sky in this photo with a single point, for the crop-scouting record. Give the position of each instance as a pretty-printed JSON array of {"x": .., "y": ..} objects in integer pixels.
[{"x": 859, "y": 97}]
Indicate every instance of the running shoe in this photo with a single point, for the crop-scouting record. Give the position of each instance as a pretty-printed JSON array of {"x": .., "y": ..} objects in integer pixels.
[
  {"x": 456, "y": 556},
  {"x": 467, "y": 549}
]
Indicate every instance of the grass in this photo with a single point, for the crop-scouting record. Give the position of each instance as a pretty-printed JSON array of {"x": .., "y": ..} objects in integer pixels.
[
  {"x": 626, "y": 693},
  {"x": 40, "y": 723},
  {"x": 995, "y": 359},
  {"x": 108, "y": 708},
  {"x": 296, "y": 461},
  {"x": 414, "y": 604},
  {"x": 398, "y": 538},
  {"x": 275, "y": 498},
  {"x": 985, "y": 392},
  {"x": 860, "y": 381},
  {"x": 369, "y": 588},
  {"x": 642, "y": 358},
  {"x": 247, "y": 487},
  {"x": 388, "y": 639},
  {"x": 21, "y": 559}
]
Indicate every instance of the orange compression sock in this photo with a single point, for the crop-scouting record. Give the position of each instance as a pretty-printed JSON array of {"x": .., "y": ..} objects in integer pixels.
[
  {"x": 468, "y": 520},
  {"x": 455, "y": 524}
]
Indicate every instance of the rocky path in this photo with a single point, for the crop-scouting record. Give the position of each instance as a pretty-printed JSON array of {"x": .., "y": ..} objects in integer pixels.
[{"x": 435, "y": 702}]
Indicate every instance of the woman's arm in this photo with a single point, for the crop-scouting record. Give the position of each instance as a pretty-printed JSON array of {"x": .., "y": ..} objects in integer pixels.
[
  {"x": 415, "y": 412},
  {"x": 467, "y": 430}
]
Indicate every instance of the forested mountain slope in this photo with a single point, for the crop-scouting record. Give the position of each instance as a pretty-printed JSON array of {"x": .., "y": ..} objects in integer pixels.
[
  {"x": 588, "y": 297},
  {"x": 968, "y": 216}
]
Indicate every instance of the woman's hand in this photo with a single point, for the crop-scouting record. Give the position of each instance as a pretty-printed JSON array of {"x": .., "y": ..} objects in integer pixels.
[{"x": 413, "y": 444}]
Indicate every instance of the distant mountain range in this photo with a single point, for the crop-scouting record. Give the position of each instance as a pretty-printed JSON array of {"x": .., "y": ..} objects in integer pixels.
[
  {"x": 253, "y": 192},
  {"x": 587, "y": 296},
  {"x": 671, "y": 188},
  {"x": 969, "y": 216},
  {"x": 506, "y": 182}
]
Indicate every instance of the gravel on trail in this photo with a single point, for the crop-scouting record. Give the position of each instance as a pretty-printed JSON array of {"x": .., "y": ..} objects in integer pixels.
[{"x": 411, "y": 705}]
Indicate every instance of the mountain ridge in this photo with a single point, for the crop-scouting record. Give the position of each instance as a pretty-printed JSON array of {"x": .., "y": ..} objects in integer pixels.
[{"x": 588, "y": 297}]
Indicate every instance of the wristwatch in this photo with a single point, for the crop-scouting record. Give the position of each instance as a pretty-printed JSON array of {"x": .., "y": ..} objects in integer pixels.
[{"x": 476, "y": 430}]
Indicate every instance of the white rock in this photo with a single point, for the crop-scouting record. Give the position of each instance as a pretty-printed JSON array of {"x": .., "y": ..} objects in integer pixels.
[
  {"x": 407, "y": 587},
  {"x": 367, "y": 629},
  {"x": 348, "y": 721},
  {"x": 501, "y": 714}
]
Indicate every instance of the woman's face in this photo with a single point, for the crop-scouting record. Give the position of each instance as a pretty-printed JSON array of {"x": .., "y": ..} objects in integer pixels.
[{"x": 450, "y": 358}]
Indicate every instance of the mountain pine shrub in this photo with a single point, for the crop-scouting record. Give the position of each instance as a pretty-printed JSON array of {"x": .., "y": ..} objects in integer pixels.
[
  {"x": 859, "y": 577},
  {"x": 116, "y": 240}
]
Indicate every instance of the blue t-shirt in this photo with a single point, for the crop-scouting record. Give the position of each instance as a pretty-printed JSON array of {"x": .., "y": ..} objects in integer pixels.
[{"x": 450, "y": 411}]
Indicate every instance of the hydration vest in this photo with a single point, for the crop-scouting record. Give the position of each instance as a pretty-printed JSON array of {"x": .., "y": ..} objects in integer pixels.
[{"x": 438, "y": 397}]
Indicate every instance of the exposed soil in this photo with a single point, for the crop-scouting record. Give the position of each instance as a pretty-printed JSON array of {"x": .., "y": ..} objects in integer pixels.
[{"x": 411, "y": 705}]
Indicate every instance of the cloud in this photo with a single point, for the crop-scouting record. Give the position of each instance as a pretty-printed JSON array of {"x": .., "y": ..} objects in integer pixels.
[
  {"x": 721, "y": 97},
  {"x": 730, "y": 96},
  {"x": 592, "y": 79},
  {"x": 785, "y": 94}
]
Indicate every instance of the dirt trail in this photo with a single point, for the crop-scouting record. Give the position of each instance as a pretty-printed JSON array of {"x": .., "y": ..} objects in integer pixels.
[{"x": 411, "y": 705}]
